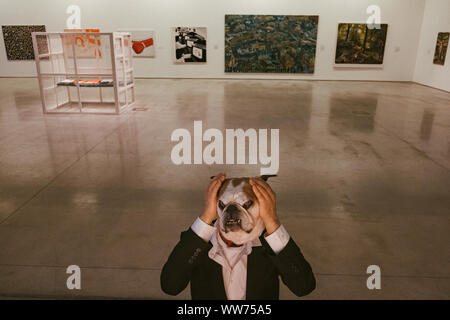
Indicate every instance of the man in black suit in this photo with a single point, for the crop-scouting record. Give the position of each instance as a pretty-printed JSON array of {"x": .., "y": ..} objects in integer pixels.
[{"x": 219, "y": 269}]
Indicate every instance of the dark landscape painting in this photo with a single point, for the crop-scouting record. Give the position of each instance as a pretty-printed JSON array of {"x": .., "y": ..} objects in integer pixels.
[
  {"x": 358, "y": 44},
  {"x": 265, "y": 43},
  {"x": 18, "y": 41},
  {"x": 441, "y": 48}
]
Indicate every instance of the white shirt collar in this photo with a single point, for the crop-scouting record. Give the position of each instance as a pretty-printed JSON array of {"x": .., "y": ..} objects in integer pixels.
[{"x": 229, "y": 256}]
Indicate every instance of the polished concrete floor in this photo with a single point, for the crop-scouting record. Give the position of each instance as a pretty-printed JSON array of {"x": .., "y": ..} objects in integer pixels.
[{"x": 364, "y": 179}]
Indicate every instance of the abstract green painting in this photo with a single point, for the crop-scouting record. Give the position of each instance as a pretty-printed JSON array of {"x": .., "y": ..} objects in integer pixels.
[
  {"x": 266, "y": 43},
  {"x": 359, "y": 44}
]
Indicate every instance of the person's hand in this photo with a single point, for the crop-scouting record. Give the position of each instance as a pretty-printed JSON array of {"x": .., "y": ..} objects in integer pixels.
[
  {"x": 210, "y": 212},
  {"x": 267, "y": 204}
]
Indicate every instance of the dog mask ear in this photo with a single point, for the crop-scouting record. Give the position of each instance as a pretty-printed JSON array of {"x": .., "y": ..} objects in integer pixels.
[
  {"x": 266, "y": 177},
  {"x": 213, "y": 176}
]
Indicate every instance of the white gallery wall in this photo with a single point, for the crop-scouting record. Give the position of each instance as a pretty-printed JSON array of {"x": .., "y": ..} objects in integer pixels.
[
  {"x": 436, "y": 19},
  {"x": 403, "y": 16}
]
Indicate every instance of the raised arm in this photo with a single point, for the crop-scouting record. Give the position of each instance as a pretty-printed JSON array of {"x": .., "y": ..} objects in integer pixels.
[
  {"x": 295, "y": 271},
  {"x": 193, "y": 243}
]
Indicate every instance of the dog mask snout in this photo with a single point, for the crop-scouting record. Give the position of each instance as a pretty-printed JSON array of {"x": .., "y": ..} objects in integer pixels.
[
  {"x": 232, "y": 208},
  {"x": 232, "y": 218},
  {"x": 232, "y": 214}
]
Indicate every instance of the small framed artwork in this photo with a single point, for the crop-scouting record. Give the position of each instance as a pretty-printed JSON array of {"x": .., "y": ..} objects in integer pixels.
[
  {"x": 19, "y": 43},
  {"x": 143, "y": 42},
  {"x": 189, "y": 44},
  {"x": 360, "y": 45},
  {"x": 441, "y": 48}
]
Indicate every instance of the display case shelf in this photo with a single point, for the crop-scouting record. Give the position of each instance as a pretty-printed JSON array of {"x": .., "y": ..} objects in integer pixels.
[{"x": 84, "y": 72}]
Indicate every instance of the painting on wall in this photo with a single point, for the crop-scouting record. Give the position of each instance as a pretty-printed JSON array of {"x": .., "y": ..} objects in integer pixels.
[
  {"x": 19, "y": 43},
  {"x": 441, "y": 48},
  {"x": 143, "y": 42},
  {"x": 267, "y": 43},
  {"x": 358, "y": 44},
  {"x": 190, "y": 44},
  {"x": 86, "y": 46}
]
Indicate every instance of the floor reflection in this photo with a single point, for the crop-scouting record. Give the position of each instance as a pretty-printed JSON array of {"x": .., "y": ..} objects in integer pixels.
[
  {"x": 426, "y": 125},
  {"x": 352, "y": 113}
]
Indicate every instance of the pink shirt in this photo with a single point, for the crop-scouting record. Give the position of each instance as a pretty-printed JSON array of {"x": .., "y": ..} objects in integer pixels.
[{"x": 234, "y": 259}]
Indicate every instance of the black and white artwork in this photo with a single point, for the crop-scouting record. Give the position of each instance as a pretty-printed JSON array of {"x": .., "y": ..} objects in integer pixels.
[{"x": 190, "y": 44}]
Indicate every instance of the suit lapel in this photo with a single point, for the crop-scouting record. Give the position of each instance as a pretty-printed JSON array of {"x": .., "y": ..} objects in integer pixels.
[
  {"x": 250, "y": 294},
  {"x": 217, "y": 281},
  {"x": 254, "y": 272}
]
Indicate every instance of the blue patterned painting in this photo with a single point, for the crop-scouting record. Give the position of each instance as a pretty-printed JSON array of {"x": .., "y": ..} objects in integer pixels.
[{"x": 266, "y": 43}]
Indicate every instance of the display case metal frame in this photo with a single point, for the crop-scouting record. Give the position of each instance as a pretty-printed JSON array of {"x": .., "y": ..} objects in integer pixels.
[{"x": 61, "y": 53}]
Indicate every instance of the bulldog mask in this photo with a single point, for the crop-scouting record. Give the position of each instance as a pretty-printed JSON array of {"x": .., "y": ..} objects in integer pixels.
[{"x": 238, "y": 212}]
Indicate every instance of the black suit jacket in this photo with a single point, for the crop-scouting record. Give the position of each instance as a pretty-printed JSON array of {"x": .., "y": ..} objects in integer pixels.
[{"x": 189, "y": 262}]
